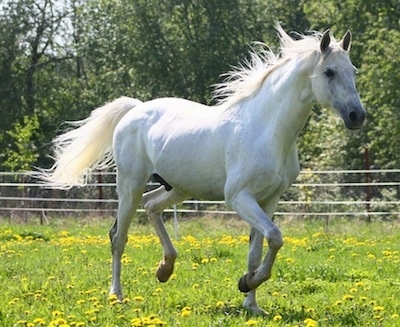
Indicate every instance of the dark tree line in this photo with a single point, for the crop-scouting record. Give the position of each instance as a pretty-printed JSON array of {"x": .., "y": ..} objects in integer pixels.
[{"x": 60, "y": 59}]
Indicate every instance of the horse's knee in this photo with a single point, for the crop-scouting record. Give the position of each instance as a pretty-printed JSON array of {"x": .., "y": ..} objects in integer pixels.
[
  {"x": 117, "y": 243},
  {"x": 274, "y": 238}
]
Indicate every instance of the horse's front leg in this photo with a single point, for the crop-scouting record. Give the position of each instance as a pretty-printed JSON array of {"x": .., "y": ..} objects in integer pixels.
[
  {"x": 248, "y": 209},
  {"x": 253, "y": 262}
]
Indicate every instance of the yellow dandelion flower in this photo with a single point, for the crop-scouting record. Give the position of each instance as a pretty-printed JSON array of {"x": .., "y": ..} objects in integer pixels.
[
  {"x": 158, "y": 322},
  {"x": 348, "y": 297},
  {"x": 113, "y": 297},
  {"x": 395, "y": 316},
  {"x": 21, "y": 322},
  {"x": 138, "y": 298},
  {"x": 57, "y": 313},
  {"x": 220, "y": 304},
  {"x": 60, "y": 322},
  {"x": 185, "y": 313},
  {"x": 277, "y": 318},
  {"x": 251, "y": 322},
  {"x": 39, "y": 321},
  {"x": 310, "y": 322},
  {"x": 378, "y": 308}
]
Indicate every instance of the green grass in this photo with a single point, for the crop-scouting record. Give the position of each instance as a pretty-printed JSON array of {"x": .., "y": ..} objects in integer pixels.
[{"x": 59, "y": 275}]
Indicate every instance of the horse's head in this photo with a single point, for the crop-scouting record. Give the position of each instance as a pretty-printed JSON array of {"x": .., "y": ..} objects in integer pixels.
[{"x": 333, "y": 81}]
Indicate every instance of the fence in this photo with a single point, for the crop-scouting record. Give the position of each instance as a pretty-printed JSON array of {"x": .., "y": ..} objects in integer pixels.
[{"x": 364, "y": 194}]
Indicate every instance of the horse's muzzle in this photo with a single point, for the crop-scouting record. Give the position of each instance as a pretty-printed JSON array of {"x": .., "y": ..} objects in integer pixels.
[{"x": 355, "y": 118}]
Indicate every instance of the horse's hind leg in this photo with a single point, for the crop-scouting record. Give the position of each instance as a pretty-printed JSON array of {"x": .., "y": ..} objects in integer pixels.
[
  {"x": 129, "y": 194},
  {"x": 155, "y": 202}
]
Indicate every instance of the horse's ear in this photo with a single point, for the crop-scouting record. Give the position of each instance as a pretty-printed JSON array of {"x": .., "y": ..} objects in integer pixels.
[
  {"x": 325, "y": 41},
  {"x": 345, "y": 43}
]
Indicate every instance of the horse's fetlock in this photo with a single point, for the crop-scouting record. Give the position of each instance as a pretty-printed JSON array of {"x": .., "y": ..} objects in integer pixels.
[
  {"x": 243, "y": 285},
  {"x": 171, "y": 257}
]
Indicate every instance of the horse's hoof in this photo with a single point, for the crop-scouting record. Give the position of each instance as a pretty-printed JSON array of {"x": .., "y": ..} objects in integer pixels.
[
  {"x": 243, "y": 286},
  {"x": 164, "y": 272},
  {"x": 256, "y": 311},
  {"x": 162, "y": 278}
]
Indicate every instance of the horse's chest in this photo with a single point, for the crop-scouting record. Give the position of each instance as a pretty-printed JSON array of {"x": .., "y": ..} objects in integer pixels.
[
  {"x": 272, "y": 186},
  {"x": 272, "y": 181}
]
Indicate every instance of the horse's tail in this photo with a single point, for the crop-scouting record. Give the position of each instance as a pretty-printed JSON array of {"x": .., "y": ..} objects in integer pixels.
[{"x": 88, "y": 146}]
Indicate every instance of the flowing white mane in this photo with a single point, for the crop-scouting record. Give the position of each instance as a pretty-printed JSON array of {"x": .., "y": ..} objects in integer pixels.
[{"x": 247, "y": 78}]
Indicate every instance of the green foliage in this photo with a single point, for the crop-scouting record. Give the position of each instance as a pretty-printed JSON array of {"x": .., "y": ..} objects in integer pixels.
[
  {"x": 60, "y": 61},
  {"x": 346, "y": 275},
  {"x": 22, "y": 153},
  {"x": 380, "y": 81}
]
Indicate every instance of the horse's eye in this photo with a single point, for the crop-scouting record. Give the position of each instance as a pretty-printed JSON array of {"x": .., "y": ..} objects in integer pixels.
[{"x": 329, "y": 73}]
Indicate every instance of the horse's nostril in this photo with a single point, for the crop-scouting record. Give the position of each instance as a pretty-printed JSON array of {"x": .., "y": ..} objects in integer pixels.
[{"x": 353, "y": 116}]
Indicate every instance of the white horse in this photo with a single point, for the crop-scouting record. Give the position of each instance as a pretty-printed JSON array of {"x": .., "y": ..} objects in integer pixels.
[{"x": 242, "y": 150}]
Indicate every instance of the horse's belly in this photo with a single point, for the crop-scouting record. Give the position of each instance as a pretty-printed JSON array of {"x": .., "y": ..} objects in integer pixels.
[
  {"x": 192, "y": 181},
  {"x": 196, "y": 171}
]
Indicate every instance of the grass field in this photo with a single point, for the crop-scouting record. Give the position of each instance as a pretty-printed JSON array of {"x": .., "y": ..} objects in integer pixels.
[{"x": 59, "y": 275}]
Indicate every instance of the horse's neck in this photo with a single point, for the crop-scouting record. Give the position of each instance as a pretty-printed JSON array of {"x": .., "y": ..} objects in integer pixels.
[{"x": 285, "y": 100}]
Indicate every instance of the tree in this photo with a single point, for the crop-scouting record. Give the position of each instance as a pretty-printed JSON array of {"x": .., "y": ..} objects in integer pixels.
[
  {"x": 61, "y": 59},
  {"x": 31, "y": 29}
]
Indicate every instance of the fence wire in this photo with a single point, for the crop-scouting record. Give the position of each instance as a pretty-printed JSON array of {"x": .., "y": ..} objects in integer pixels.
[{"x": 348, "y": 193}]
